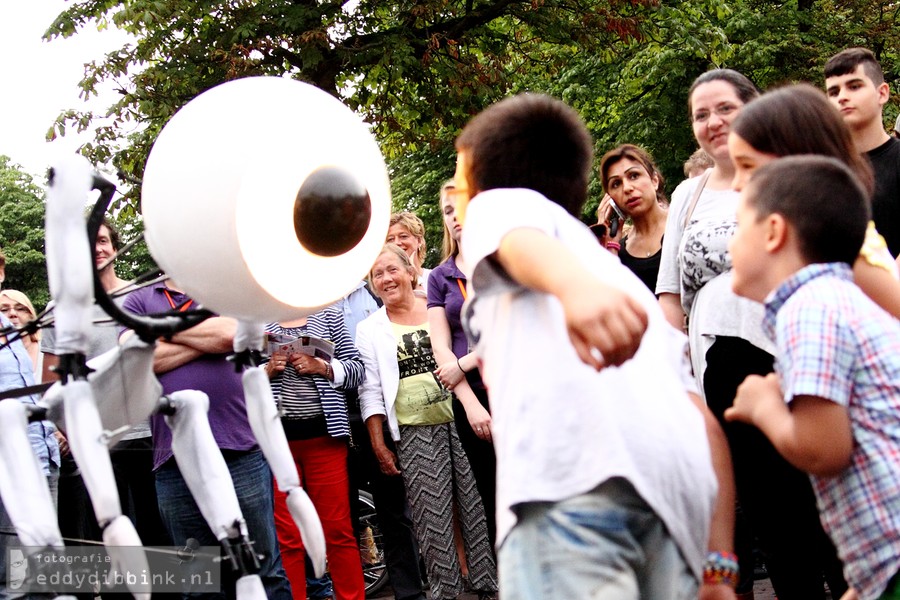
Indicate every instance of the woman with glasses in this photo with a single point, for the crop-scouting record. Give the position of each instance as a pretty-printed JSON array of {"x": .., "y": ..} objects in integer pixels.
[{"x": 19, "y": 310}]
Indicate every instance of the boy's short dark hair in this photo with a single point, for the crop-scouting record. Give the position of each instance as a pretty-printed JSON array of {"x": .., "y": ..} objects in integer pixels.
[
  {"x": 822, "y": 200},
  {"x": 846, "y": 61},
  {"x": 530, "y": 141}
]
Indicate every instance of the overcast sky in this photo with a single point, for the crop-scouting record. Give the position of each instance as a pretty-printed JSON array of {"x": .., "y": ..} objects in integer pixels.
[{"x": 39, "y": 79}]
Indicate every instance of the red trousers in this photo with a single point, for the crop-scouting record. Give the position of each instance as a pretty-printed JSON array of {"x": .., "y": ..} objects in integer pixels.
[{"x": 322, "y": 465}]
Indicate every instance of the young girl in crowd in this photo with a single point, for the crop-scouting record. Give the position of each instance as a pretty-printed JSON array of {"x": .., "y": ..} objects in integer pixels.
[{"x": 457, "y": 365}]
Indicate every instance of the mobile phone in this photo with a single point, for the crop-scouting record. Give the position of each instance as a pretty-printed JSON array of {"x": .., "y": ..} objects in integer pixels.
[{"x": 615, "y": 219}]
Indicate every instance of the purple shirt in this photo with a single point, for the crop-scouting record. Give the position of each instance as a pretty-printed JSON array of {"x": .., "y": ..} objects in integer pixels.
[
  {"x": 211, "y": 374},
  {"x": 444, "y": 291}
]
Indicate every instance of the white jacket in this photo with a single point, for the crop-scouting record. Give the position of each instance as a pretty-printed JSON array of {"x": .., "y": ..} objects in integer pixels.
[{"x": 378, "y": 348}]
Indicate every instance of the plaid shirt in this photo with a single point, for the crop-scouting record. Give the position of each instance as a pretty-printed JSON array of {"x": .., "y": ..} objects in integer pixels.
[{"x": 835, "y": 343}]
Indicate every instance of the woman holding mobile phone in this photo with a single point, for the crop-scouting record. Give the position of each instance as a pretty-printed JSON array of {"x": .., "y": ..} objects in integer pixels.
[{"x": 634, "y": 189}]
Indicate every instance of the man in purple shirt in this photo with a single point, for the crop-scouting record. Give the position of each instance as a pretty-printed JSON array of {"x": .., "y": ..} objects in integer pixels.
[{"x": 196, "y": 359}]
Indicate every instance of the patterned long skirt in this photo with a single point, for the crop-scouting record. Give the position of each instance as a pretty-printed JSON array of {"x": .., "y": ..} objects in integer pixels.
[{"x": 437, "y": 473}]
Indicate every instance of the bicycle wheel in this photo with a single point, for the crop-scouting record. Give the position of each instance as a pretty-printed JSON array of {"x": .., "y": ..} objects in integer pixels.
[{"x": 371, "y": 545}]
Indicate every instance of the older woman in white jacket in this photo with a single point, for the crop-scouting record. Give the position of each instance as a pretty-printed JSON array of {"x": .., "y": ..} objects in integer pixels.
[{"x": 401, "y": 388}]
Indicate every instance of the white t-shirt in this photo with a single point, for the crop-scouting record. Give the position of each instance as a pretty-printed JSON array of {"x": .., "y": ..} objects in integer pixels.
[
  {"x": 560, "y": 428},
  {"x": 696, "y": 264}
]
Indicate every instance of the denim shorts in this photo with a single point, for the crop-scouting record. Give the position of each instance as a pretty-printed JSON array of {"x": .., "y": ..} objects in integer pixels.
[{"x": 607, "y": 544}]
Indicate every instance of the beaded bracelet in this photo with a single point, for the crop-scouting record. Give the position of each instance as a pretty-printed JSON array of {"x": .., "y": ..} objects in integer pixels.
[
  {"x": 613, "y": 246},
  {"x": 721, "y": 567}
]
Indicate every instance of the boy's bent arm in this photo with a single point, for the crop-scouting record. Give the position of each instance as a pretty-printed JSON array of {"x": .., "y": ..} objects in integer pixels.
[
  {"x": 813, "y": 434},
  {"x": 599, "y": 317}
]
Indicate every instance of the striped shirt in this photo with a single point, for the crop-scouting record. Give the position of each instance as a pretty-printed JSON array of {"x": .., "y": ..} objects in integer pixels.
[
  {"x": 328, "y": 324},
  {"x": 836, "y": 344},
  {"x": 298, "y": 393}
]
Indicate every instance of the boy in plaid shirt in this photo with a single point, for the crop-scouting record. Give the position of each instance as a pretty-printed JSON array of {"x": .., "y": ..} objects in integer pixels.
[{"x": 832, "y": 408}]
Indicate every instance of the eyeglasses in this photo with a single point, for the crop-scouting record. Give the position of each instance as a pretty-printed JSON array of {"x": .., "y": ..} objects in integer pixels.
[{"x": 722, "y": 110}]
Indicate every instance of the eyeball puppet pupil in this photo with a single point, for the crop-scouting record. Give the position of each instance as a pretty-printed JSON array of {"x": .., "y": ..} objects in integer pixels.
[{"x": 332, "y": 211}]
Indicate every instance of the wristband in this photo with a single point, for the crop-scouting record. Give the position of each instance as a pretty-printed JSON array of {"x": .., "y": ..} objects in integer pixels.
[
  {"x": 329, "y": 372},
  {"x": 613, "y": 246},
  {"x": 721, "y": 567},
  {"x": 460, "y": 367}
]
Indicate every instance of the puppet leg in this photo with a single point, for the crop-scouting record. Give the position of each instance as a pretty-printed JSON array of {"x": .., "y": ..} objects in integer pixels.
[
  {"x": 86, "y": 440},
  {"x": 266, "y": 425},
  {"x": 209, "y": 480},
  {"x": 23, "y": 487}
]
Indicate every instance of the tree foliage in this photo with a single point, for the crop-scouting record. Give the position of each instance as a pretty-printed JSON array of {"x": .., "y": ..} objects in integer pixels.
[
  {"x": 22, "y": 232},
  {"x": 418, "y": 69}
]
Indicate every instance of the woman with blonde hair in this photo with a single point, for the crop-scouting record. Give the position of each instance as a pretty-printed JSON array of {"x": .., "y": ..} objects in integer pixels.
[
  {"x": 19, "y": 310},
  {"x": 457, "y": 365},
  {"x": 401, "y": 389},
  {"x": 408, "y": 231}
]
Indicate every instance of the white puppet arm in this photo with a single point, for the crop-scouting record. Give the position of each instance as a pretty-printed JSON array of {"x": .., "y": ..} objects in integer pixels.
[
  {"x": 266, "y": 425},
  {"x": 70, "y": 261}
]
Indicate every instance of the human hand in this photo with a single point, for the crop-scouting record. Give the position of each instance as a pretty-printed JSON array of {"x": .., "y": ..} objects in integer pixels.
[
  {"x": 605, "y": 214},
  {"x": 480, "y": 420},
  {"x": 63, "y": 442},
  {"x": 276, "y": 364},
  {"x": 450, "y": 374},
  {"x": 308, "y": 365},
  {"x": 850, "y": 594},
  {"x": 718, "y": 591},
  {"x": 756, "y": 396},
  {"x": 605, "y": 324},
  {"x": 387, "y": 460}
]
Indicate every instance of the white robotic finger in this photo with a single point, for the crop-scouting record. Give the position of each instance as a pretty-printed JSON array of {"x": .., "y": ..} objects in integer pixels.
[
  {"x": 307, "y": 520},
  {"x": 250, "y": 587},
  {"x": 127, "y": 556}
]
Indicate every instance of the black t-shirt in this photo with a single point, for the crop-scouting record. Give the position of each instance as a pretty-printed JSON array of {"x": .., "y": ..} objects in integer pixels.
[
  {"x": 647, "y": 269},
  {"x": 886, "y": 202}
]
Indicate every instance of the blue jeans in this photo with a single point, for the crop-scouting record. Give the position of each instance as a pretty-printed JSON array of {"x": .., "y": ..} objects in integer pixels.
[
  {"x": 607, "y": 544},
  {"x": 253, "y": 485}
]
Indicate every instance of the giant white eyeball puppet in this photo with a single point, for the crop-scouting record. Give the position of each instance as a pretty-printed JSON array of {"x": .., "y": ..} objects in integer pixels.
[{"x": 265, "y": 198}]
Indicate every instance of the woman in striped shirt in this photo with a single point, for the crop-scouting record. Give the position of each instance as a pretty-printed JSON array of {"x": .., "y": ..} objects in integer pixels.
[{"x": 314, "y": 415}]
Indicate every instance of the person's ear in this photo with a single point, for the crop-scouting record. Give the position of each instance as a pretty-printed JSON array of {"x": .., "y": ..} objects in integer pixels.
[
  {"x": 884, "y": 93},
  {"x": 777, "y": 233}
]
